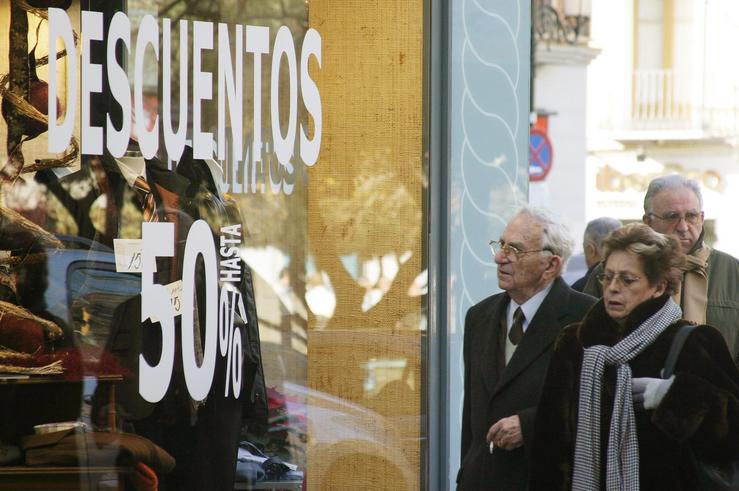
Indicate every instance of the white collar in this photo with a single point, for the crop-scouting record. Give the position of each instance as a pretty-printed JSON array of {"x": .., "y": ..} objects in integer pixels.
[
  {"x": 132, "y": 168},
  {"x": 217, "y": 172}
]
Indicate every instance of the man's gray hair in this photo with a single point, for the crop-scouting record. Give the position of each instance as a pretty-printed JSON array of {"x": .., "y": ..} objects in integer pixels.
[
  {"x": 597, "y": 230},
  {"x": 670, "y": 181},
  {"x": 556, "y": 237}
]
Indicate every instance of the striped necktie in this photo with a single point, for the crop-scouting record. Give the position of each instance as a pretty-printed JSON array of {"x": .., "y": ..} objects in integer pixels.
[
  {"x": 146, "y": 198},
  {"x": 516, "y": 332}
]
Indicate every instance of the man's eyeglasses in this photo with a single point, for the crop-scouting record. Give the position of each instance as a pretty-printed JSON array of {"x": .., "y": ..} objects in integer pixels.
[
  {"x": 625, "y": 281},
  {"x": 673, "y": 217},
  {"x": 509, "y": 250}
]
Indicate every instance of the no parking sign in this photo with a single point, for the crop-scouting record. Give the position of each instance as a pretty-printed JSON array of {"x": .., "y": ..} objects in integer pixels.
[{"x": 540, "y": 155}]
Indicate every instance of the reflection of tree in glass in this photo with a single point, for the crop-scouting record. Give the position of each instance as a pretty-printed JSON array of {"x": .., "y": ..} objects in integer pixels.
[
  {"x": 371, "y": 212},
  {"x": 374, "y": 219},
  {"x": 276, "y": 220}
]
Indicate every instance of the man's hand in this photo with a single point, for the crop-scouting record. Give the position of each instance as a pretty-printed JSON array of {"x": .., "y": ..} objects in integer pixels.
[{"x": 506, "y": 433}]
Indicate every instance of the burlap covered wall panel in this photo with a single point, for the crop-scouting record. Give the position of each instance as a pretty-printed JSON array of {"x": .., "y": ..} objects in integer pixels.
[{"x": 364, "y": 202}]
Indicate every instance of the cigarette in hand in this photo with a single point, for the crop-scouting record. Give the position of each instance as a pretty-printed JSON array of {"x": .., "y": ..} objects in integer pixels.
[{"x": 492, "y": 447}]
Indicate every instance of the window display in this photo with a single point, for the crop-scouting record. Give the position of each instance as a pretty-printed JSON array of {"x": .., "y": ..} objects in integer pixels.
[{"x": 212, "y": 253}]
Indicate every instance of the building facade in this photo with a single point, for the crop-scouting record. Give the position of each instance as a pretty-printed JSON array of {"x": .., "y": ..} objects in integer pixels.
[{"x": 662, "y": 99}]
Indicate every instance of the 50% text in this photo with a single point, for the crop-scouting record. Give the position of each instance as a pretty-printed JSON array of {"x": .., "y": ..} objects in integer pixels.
[{"x": 231, "y": 304}]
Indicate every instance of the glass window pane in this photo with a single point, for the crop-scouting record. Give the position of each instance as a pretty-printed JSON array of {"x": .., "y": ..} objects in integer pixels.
[{"x": 215, "y": 251}]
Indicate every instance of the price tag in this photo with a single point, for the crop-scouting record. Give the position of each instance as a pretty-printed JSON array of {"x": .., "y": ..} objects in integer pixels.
[
  {"x": 175, "y": 292},
  {"x": 127, "y": 255}
]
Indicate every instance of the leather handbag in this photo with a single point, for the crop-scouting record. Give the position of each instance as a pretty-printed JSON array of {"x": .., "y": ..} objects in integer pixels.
[{"x": 711, "y": 476}]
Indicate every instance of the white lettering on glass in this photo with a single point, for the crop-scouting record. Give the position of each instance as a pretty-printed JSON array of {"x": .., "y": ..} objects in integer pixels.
[
  {"x": 158, "y": 241},
  {"x": 253, "y": 161},
  {"x": 229, "y": 87},
  {"x": 174, "y": 141},
  {"x": 148, "y": 36},
  {"x": 202, "y": 89},
  {"x": 120, "y": 30},
  {"x": 92, "y": 30},
  {"x": 311, "y": 98},
  {"x": 60, "y": 27},
  {"x": 199, "y": 243}
]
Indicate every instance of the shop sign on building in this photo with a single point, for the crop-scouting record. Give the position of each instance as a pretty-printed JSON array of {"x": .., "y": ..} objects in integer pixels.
[{"x": 618, "y": 181}]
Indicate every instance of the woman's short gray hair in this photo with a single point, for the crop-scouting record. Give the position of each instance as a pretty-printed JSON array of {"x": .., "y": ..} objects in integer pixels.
[
  {"x": 556, "y": 237},
  {"x": 670, "y": 181}
]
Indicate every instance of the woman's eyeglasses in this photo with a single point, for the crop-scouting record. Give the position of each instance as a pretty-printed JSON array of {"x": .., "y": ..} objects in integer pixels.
[
  {"x": 509, "y": 250},
  {"x": 626, "y": 281}
]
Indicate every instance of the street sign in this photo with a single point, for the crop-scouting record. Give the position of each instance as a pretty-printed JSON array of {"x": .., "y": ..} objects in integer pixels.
[{"x": 540, "y": 155}]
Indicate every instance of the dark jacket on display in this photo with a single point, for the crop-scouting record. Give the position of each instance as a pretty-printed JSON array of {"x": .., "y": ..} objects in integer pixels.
[
  {"x": 185, "y": 428},
  {"x": 493, "y": 390},
  {"x": 208, "y": 204},
  {"x": 698, "y": 415},
  {"x": 181, "y": 197}
]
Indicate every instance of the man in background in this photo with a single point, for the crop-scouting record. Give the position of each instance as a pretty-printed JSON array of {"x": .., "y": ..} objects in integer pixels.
[
  {"x": 709, "y": 292},
  {"x": 595, "y": 231},
  {"x": 508, "y": 341}
]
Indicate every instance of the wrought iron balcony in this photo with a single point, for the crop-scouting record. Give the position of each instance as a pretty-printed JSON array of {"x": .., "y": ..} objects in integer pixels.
[{"x": 568, "y": 25}]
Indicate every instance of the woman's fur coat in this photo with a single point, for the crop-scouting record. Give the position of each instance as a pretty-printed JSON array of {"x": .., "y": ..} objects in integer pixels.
[{"x": 699, "y": 413}]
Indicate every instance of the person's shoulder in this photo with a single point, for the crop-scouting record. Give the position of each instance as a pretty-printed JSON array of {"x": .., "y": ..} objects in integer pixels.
[
  {"x": 579, "y": 285},
  {"x": 485, "y": 303},
  {"x": 700, "y": 334},
  {"x": 708, "y": 335},
  {"x": 706, "y": 343},
  {"x": 568, "y": 339},
  {"x": 570, "y": 303},
  {"x": 592, "y": 287},
  {"x": 579, "y": 299},
  {"x": 582, "y": 298},
  {"x": 723, "y": 259},
  {"x": 723, "y": 276},
  {"x": 490, "y": 299}
]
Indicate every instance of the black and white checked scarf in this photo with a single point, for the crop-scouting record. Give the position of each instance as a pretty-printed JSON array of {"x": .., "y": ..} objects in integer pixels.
[{"x": 622, "y": 471}]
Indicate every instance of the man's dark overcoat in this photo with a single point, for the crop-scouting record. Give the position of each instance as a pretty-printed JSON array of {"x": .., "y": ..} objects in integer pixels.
[{"x": 493, "y": 390}]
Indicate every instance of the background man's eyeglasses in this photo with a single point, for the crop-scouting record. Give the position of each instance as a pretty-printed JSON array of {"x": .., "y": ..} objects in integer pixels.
[
  {"x": 626, "y": 281},
  {"x": 673, "y": 217},
  {"x": 511, "y": 251}
]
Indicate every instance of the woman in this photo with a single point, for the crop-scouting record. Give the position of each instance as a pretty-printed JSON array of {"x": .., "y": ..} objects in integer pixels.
[{"x": 588, "y": 434}]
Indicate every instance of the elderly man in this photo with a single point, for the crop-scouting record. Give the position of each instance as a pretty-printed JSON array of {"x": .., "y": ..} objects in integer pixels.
[
  {"x": 595, "y": 231},
  {"x": 710, "y": 285},
  {"x": 508, "y": 340}
]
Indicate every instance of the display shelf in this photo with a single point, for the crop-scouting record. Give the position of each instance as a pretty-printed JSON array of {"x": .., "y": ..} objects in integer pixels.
[
  {"x": 52, "y": 478},
  {"x": 294, "y": 485}
]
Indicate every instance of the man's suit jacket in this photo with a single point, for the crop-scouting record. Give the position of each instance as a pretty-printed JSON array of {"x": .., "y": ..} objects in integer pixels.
[{"x": 493, "y": 390}]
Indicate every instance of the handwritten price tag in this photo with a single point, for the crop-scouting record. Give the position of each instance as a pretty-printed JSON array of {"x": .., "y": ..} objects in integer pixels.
[
  {"x": 175, "y": 296},
  {"x": 175, "y": 292},
  {"x": 127, "y": 255}
]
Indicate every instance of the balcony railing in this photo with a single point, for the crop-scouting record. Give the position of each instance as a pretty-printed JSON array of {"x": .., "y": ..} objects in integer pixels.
[
  {"x": 668, "y": 100},
  {"x": 661, "y": 98}
]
